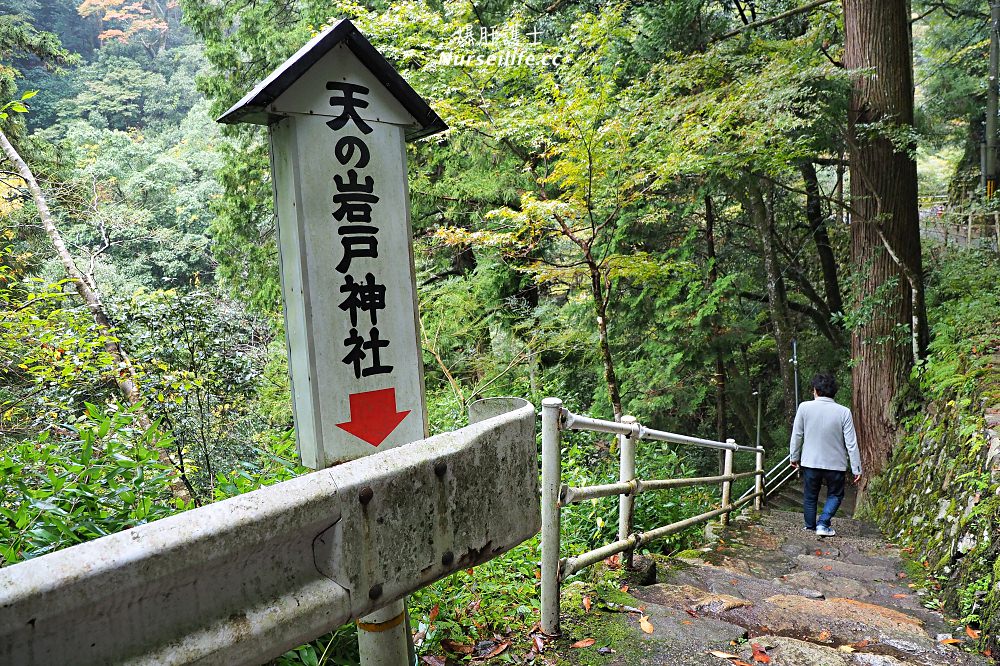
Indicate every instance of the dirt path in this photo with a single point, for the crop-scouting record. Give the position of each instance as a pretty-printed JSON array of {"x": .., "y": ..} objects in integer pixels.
[{"x": 802, "y": 600}]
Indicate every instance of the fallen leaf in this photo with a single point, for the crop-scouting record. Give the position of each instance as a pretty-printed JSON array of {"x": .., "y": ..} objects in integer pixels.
[
  {"x": 432, "y": 661},
  {"x": 470, "y": 571},
  {"x": 686, "y": 622},
  {"x": 902, "y": 574},
  {"x": 624, "y": 588},
  {"x": 456, "y": 647},
  {"x": 495, "y": 651},
  {"x": 824, "y": 635},
  {"x": 972, "y": 633},
  {"x": 900, "y": 596},
  {"x": 733, "y": 582},
  {"x": 539, "y": 643},
  {"x": 435, "y": 611},
  {"x": 759, "y": 656},
  {"x": 645, "y": 624},
  {"x": 846, "y": 648},
  {"x": 860, "y": 645},
  {"x": 690, "y": 612},
  {"x": 819, "y": 552},
  {"x": 988, "y": 652},
  {"x": 613, "y": 561},
  {"x": 828, "y": 568},
  {"x": 950, "y": 641},
  {"x": 586, "y": 604},
  {"x": 586, "y": 642},
  {"x": 723, "y": 655},
  {"x": 605, "y": 650}
]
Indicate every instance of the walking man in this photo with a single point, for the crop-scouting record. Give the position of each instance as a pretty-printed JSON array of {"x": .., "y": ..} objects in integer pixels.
[{"x": 824, "y": 447}]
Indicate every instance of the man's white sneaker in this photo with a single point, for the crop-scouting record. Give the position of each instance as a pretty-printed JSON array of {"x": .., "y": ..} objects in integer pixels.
[{"x": 822, "y": 530}]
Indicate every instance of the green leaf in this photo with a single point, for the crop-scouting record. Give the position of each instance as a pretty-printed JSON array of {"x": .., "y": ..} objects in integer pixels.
[
  {"x": 18, "y": 107},
  {"x": 28, "y": 94}
]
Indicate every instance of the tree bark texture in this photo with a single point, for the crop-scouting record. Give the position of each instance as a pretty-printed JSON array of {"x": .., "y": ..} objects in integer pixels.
[
  {"x": 720, "y": 365},
  {"x": 817, "y": 222},
  {"x": 761, "y": 210},
  {"x": 601, "y": 310},
  {"x": 885, "y": 240}
]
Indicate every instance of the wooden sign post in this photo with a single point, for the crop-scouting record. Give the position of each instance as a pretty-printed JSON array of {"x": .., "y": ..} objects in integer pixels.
[{"x": 339, "y": 116}]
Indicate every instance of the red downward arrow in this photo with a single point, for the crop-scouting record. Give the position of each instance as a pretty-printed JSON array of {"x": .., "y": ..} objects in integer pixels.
[{"x": 373, "y": 415}]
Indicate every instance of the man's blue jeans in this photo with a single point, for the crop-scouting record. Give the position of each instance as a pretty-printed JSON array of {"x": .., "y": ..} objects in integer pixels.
[{"x": 812, "y": 480}]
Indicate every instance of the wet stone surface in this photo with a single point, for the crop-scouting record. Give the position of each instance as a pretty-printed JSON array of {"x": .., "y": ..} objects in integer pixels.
[{"x": 803, "y": 599}]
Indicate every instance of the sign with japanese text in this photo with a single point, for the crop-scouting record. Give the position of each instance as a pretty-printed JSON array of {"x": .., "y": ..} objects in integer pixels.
[{"x": 338, "y": 159}]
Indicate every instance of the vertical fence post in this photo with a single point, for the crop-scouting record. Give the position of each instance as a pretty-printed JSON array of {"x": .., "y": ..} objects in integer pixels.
[
  {"x": 626, "y": 472},
  {"x": 968, "y": 233},
  {"x": 551, "y": 481},
  {"x": 758, "y": 503},
  {"x": 727, "y": 486},
  {"x": 760, "y": 461},
  {"x": 996, "y": 228}
]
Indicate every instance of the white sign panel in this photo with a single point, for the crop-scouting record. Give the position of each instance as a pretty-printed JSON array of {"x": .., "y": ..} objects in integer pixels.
[{"x": 339, "y": 165}]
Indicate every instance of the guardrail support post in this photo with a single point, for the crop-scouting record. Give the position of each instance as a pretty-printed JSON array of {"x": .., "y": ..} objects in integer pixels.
[
  {"x": 758, "y": 503},
  {"x": 626, "y": 503},
  {"x": 384, "y": 636},
  {"x": 727, "y": 486},
  {"x": 551, "y": 481}
]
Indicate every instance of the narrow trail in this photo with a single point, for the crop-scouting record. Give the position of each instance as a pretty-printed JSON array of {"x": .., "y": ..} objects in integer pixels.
[{"x": 801, "y": 599}]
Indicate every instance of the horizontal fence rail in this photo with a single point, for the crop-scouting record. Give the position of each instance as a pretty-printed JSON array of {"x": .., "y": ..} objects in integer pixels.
[
  {"x": 555, "y": 494},
  {"x": 244, "y": 580},
  {"x": 775, "y": 479}
]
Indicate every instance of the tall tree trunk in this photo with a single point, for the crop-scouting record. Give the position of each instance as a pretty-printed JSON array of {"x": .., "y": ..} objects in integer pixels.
[
  {"x": 761, "y": 209},
  {"x": 885, "y": 234},
  {"x": 601, "y": 310},
  {"x": 827, "y": 260},
  {"x": 126, "y": 380},
  {"x": 720, "y": 365}
]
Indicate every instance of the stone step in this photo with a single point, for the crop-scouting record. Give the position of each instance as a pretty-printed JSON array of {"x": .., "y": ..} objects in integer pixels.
[{"x": 876, "y": 630}]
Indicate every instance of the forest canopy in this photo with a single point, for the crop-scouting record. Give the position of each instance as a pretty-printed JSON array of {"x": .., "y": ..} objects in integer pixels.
[{"x": 670, "y": 210}]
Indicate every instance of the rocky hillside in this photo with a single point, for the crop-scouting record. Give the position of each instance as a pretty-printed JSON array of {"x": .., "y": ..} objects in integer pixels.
[{"x": 940, "y": 500}]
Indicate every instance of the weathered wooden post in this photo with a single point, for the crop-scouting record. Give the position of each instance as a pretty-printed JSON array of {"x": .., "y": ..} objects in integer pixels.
[{"x": 339, "y": 116}]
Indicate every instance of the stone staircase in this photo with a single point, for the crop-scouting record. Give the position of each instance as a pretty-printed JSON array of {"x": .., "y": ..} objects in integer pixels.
[{"x": 764, "y": 586}]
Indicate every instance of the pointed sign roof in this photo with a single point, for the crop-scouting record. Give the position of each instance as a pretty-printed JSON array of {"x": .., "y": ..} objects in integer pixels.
[{"x": 253, "y": 108}]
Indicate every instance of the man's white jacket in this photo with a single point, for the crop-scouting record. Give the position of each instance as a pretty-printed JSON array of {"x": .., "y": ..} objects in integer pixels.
[{"x": 823, "y": 437}]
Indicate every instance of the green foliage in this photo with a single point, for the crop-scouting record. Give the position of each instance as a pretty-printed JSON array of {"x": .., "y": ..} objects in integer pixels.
[
  {"x": 609, "y": 158},
  {"x": 199, "y": 372},
  {"x": 20, "y": 39},
  {"x": 54, "y": 359},
  {"x": 99, "y": 476},
  {"x": 938, "y": 497}
]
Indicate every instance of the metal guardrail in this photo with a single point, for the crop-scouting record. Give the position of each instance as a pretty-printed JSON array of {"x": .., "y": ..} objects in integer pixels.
[
  {"x": 244, "y": 580},
  {"x": 962, "y": 228},
  {"x": 775, "y": 479},
  {"x": 555, "y": 495}
]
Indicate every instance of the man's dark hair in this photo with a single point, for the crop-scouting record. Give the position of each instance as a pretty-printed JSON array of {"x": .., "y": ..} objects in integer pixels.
[{"x": 825, "y": 385}]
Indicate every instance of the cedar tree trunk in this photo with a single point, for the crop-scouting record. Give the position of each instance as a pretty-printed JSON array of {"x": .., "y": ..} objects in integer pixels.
[{"x": 885, "y": 240}]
